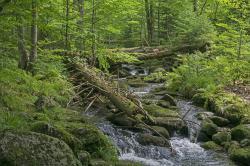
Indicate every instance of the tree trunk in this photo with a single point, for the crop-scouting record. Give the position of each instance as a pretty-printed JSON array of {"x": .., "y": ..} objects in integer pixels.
[
  {"x": 195, "y": 4},
  {"x": 108, "y": 89},
  {"x": 150, "y": 20},
  {"x": 33, "y": 52},
  {"x": 81, "y": 23},
  {"x": 24, "y": 56},
  {"x": 240, "y": 44},
  {"x": 93, "y": 46},
  {"x": 67, "y": 47}
]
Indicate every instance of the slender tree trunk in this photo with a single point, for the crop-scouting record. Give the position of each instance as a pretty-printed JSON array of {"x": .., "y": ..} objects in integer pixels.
[
  {"x": 158, "y": 26},
  {"x": 195, "y": 4},
  {"x": 240, "y": 44},
  {"x": 93, "y": 47},
  {"x": 67, "y": 47},
  {"x": 150, "y": 20},
  {"x": 33, "y": 52},
  {"x": 81, "y": 23},
  {"x": 203, "y": 7},
  {"x": 24, "y": 56}
]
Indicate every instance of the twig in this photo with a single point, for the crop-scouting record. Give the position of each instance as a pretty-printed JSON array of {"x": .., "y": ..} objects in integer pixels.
[
  {"x": 186, "y": 114},
  {"x": 90, "y": 104},
  {"x": 76, "y": 95}
]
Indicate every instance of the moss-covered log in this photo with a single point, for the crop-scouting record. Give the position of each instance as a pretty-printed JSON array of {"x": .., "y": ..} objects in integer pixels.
[{"x": 122, "y": 101}]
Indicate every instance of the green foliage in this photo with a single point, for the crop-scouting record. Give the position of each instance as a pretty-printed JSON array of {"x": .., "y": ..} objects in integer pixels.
[
  {"x": 20, "y": 90},
  {"x": 194, "y": 30}
]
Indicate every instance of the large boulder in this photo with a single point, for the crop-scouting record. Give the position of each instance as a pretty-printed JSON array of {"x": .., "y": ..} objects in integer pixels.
[
  {"x": 241, "y": 132},
  {"x": 29, "y": 148},
  {"x": 57, "y": 132}
]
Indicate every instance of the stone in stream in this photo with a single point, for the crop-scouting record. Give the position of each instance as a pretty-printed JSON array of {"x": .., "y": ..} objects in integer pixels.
[
  {"x": 208, "y": 129},
  {"x": 219, "y": 121},
  {"x": 148, "y": 139},
  {"x": 29, "y": 148},
  {"x": 161, "y": 130},
  {"x": 170, "y": 99}
]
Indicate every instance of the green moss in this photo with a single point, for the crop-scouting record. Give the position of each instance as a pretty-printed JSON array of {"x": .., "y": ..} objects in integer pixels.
[
  {"x": 209, "y": 128},
  {"x": 57, "y": 132},
  {"x": 158, "y": 76},
  {"x": 28, "y": 148},
  {"x": 13, "y": 120},
  {"x": 136, "y": 83},
  {"x": 221, "y": 137},
  {"x": 92, "y": 140},
  {"x": 241, "y": 156},
  {"x": 241, "y": 132},
  {"x": 210, "y": 145}
]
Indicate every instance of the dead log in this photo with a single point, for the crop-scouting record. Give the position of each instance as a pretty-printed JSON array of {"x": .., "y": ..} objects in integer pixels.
[{"x": 106, "y": 89}]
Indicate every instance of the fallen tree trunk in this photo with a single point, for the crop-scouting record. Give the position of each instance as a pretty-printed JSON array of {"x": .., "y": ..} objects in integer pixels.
[
  {"x": 106, "y": 88},
  {"x": 127, "y": 103}
]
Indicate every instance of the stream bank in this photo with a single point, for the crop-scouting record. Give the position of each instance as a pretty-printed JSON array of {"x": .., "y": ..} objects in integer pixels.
[{"x": 183, "y": 140}]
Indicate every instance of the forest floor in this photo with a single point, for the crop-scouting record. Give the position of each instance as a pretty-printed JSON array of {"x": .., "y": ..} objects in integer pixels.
[{"x": 241, "y": 90}]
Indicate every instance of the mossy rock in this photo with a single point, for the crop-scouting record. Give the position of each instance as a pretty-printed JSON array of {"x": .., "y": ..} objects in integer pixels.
[
  {"x": 170, "y": 99},
  {"x": 241, "y": 156},
  {"x": 221, "y": 137},
  {"x": 157, "y": 111},
  {"x": 241, "y": 132},
  {"x": 232, "y": 146},
  {"x": 245, "y": 142},
  {"x": 219, "y": 121},
  {"x": 170, "y": 123},
  {"x": 199, "y": 100},
  {"x": 164, "y": 104},
  {"x": 57, "y": 132},
  {"x": 161, "y": 130},
  {"x": 209, "y": 128},
  {"x": 29, "y": 148},
  {"x": 148, "y": 139},
  {"x": 136, "y": 83},
  {"x": 99, "y": 162},
  {"x": 122, "y": 120},
  {"x": 210, "y": 145},
  {"x": 84, "y": 157},
  {"x": 126, "y": 163},
  {"x": 92, "y": 140},
  {"x": 202, "y": 137},
  {"x": 204, "y": 115}
]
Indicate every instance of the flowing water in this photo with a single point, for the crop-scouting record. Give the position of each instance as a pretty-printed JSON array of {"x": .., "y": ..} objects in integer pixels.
[{"x": 188, "y": 152}]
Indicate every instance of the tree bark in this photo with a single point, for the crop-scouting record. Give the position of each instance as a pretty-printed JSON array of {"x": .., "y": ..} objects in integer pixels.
[
  {"x": 195, "y": 4},
  {"x": 108, "y": 89},
  {"x": 150, "y": 20},
  {"x": 81, "y": 23},
  {"x": 24, "y": 56},
  {"x": 67, "y": 47},
  {"x": 93, "y": 46},
  {"x": 33, "y": 52}
]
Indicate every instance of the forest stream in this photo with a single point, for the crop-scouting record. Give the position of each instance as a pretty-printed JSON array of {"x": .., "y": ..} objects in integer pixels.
[{"x": 188, "y": 150}]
